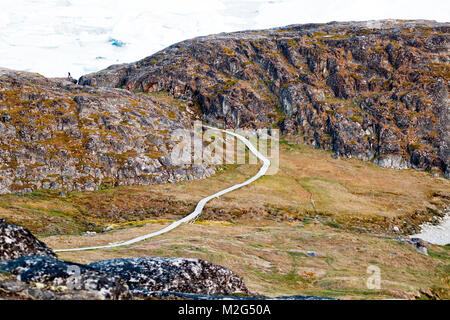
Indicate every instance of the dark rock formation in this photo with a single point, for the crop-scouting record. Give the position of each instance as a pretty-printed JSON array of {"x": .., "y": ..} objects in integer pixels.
[
  {"x": 173, "y": 274},
  {"x": 110, "y": 279},
  {"x": 23, "y": 255},
  {"x": 419, "y": 244},
  {"x": 370, "y": 90},
  {"x": 55, "y": 134},
  {"x": 16, "y": 290},
  {"x": 17, "y": 241},
  {"x": 69, "y": 276}
]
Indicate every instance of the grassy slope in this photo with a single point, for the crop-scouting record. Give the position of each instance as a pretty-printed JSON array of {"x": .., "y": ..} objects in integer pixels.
[
  {"x": 271, "y": 257},
  {"x": 346, "y": 192},
  {"x": 263, "y": 230}
]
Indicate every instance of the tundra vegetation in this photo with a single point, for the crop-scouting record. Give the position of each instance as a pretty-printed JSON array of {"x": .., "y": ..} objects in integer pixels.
[{"x": 88, "y": 164}]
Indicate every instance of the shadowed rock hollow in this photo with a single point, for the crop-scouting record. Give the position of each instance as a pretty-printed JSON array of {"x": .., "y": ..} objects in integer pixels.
[{"x": 374, "y": 90}]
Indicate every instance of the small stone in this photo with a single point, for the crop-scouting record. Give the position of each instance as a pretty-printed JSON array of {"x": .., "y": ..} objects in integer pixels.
[
  {"x": 312, "y": 254},
  {"x": 423, "y": 250},
  {"x": 420, "y": 245}
]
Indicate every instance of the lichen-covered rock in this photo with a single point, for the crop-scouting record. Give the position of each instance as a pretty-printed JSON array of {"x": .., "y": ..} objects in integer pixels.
[
  {"x": 32, "y": 261},
  {"x": 361, "y": 89},
  {"x": 55, "y": 134},
  {"x": 67, "y": 276},
  {"x": 120, "y": 278},
  {"x": 173, "y": 274},
  {"x": 11, "y": 288},
  {"x": 395, "y": 162},
  {"x": 17, "y": 241}
]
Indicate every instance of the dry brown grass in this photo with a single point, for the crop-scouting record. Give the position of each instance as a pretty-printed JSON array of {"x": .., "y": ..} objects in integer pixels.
[
  {"x": 345, "y": 191},
  {"x": 271, "y": 257},
  {"x": 263, "y": 230}
]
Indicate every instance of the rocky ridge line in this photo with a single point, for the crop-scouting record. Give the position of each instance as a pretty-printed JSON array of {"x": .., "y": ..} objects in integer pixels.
[
  {"x": 375, "y": 90},
  {"x": 55, "y": 134}
]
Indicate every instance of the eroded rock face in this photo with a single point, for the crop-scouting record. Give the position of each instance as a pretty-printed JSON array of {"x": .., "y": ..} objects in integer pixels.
[
  {"x": 69, "y": 276},
  {"x": 173, "y": 274},
  {"x": 55, "y": 134},
  {"x": 17, "y": 241},
  {"x": 395, "y": 162},
  {"x": 361, "y": 89}
]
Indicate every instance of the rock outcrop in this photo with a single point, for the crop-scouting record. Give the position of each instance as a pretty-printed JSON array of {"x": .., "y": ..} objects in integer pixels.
[
  {"x": 374, "y": 90},
  {"x": 66, "y": 276},
  {"x": 55, "y": 134},
  {"x": 32, "y": 262},
  {"x": 12, "y": 289},
  {"x": 127, "y": 277},
  {"x": 17, "y": 241},
  {"x": 144, "y": 275}
]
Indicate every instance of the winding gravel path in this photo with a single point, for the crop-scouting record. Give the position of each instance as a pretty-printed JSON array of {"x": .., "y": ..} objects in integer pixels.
[{"x": 198, "y": 209}]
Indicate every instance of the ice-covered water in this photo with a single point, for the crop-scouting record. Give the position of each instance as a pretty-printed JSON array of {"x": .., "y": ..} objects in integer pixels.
[
  {"x": 437, "y": 234},
  {"x": 54, "y": 37}
]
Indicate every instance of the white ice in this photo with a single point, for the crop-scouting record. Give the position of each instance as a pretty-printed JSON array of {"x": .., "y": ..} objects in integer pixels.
[
  {"x": 436, "y": 234},
  {"x": 53, "y": 37}
]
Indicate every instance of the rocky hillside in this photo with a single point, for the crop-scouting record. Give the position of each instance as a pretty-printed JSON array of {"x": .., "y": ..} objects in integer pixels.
[
  {"x": 372, "y": 90},
  {"x": 55, "y": 134}
]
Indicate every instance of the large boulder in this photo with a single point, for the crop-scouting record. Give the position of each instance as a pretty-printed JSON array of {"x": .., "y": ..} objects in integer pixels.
[
  {"x": 17, "y": 241},
  {"x": 120, "y": 278},
  {"x": 144, "y": 275},
  {"x": 67, "y": 276},
  {"x": 31, "y": 261},
  {"x": 91, "y": 137}
]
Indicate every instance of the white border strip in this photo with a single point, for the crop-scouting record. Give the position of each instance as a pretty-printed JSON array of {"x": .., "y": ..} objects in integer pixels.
[{"x": 198, "y": 209}]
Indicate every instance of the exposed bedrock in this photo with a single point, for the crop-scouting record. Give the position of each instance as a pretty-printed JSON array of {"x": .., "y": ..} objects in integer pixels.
[{"x": 375, "y": 90}]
